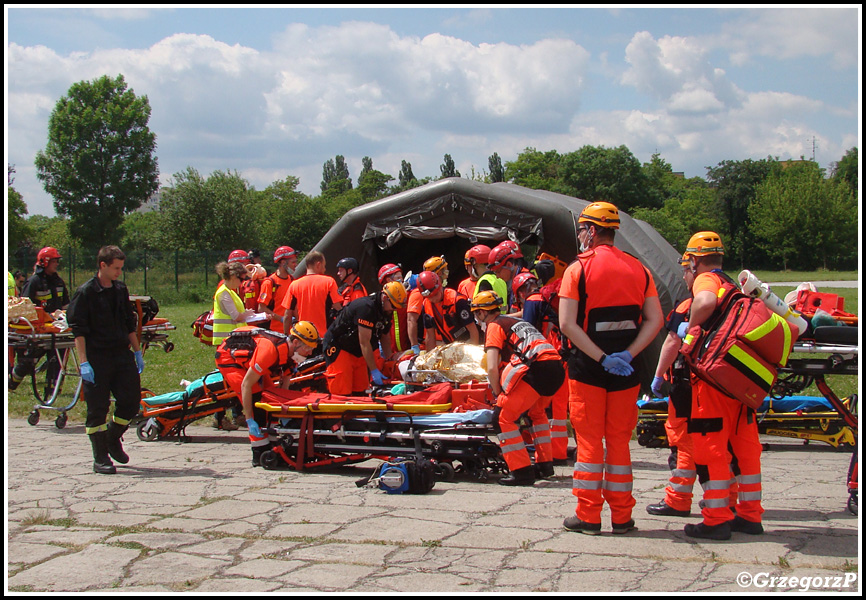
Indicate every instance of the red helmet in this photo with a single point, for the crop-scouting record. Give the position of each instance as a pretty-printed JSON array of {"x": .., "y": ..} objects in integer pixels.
[
  {"x": 45, "y": 255},
  {"x": 428, "y": 282},
  {"x": 240, "y": 256},
  {"x": 515, "y": 247},
  {"x": 476, "y": 254},
  {"x": 281, "y": 253},
  {"x": 522, "y": 279},
  {"x": 388, "y": 270},
  {"x": 499, "y": 255}
]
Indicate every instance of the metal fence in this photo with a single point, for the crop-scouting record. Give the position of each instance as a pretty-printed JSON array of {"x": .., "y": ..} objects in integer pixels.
[{"x": 170, "y": 276}]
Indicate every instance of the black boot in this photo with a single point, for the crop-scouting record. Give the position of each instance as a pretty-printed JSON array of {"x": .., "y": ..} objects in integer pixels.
[
  {"x": 543, "y": 470},
  {"x": 521, "y": 476},
  {"x": 115, "y": 448},
  {"x": 101, "y": 463}
]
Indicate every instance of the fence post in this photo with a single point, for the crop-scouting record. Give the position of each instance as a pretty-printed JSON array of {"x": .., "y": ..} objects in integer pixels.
[
  {"x": 145, "y": 271},
  {"x": 176, "y": 263},
  {"x": 206, "y": 263}
]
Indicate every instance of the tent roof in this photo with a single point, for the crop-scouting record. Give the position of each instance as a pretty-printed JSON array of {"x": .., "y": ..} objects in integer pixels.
[{"x": 412, "y": 226}]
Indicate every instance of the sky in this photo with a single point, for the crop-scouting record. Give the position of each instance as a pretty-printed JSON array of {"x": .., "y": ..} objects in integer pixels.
[{"x": 272, "y": 92}]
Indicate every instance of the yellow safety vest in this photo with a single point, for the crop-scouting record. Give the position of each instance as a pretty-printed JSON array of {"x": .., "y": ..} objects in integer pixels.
[{"x": 223, "y": 324}]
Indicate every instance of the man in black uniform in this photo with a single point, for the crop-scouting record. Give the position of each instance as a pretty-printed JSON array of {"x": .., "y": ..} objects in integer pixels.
[
  {"x": 104, "y": 326},
  {"x": 46, "y": 289},
  {"x": 352, "y": 339}
]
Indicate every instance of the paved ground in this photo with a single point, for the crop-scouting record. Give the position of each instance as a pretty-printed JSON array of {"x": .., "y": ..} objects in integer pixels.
[{"x": 197, "y": 517}]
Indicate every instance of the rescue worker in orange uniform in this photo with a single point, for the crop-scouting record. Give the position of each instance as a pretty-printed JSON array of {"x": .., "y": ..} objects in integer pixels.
[
  {"x": 447, "y": 317},
  {"x": 415, "y": 305},
  {"x": 524, "y": 371},
  {"x": 351, "y": 340},
  {"x": 475, "y": 261},
  {"x": 679, "y": 491},
  {"x": 720, "y": 426},
  {"x": 536, "y": 312},
  {"x": 399, "y": 333},
  {"x": 504, "y": 262},
  {"x": 276, "y": 285},
  {"x": 312, "y": 297},
  {"x": 250, "y": 358},
  {"x": 610, "y": 311},
  {"x": 350, "y": 286}
]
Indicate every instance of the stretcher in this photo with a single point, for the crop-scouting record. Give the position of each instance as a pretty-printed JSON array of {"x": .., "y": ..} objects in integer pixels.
[
  {"x": 827, "y": 419},
  {"x": 48, "y": 342},
  {"x": 168, "y": 415},
  {"x": 319, "y": 430}
]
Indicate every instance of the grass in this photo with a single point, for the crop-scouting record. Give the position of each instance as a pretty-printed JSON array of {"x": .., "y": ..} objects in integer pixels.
[{"x": 191, "y": 359}]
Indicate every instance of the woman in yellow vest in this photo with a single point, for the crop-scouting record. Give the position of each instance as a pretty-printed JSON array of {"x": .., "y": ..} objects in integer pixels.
[{"x": 228, "y": 315}]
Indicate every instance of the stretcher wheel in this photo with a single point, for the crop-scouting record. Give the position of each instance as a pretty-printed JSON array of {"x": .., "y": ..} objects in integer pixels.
[
  {"x": 148, "y": 430},
  {"x": 168, "y": 347},
  {"x": 60, "y": 421},
  {"x": 33, "y": 417},
  {"x": 852, "y": 504},
  {"x": 270, "y": 460},
  {"x": 444, "y": 471}
]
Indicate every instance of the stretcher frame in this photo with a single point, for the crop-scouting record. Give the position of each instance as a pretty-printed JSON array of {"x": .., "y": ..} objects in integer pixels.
[
  {"x": 321, "y": 435},
  {"x": 62, "y": 345}
]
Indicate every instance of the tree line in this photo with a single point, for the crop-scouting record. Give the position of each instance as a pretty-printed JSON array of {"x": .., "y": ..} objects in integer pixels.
[{"x": 100, "y": 167}]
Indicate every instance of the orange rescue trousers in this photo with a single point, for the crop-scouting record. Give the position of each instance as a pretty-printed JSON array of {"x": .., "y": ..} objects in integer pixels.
[
  {"x": 523, "y": 399},
  {"x": 603, "y": 422}
]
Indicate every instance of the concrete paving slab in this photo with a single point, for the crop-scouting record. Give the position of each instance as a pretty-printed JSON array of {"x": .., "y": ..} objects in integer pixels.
[{"x": 196, "y": 517}]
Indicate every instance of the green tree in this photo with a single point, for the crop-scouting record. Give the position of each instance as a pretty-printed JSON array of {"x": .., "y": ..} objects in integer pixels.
[
  {"x": 217, "y": 212},
  {"x": 406, "y": 176},
  {"x": 736, "y": 183},
  {"x": 335, "y": 177},
  {"x": 596, "y": 173},
  {"x": 692, "y": 209},
  {"x": 802, "y": 219},
  {"x": 846, "y": 170},
  {"x": 374, "y": 185},
  {"x": 366, "y": 167},
  {"x": 99, "y": 163},
  {"x": 535, "y": 169},
  {"x": 497, "y": 172},
  {"x": 15, "y": 211},
  {"x": 142, "y": 231},
  {"x": 448, "y": 169}
]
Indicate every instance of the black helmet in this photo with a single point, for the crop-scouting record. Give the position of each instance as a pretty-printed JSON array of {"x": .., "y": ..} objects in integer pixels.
[{"x": 350, "y": 264}]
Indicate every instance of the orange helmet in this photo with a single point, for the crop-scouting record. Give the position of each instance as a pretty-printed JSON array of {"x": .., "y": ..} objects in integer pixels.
[
  {"x": 704, "y": 243},
  {"x": 45, "y": 255},
  {"x": 396, "y": 293},
  {"x": 436, "y": 264},
  {"x": 486, "y": 300},
  {"x": 603, "y": 214},
  {"x": 476, "y": 254},
  {"x": 240, "y": 256},
  {"x": 306, "y": 332}
]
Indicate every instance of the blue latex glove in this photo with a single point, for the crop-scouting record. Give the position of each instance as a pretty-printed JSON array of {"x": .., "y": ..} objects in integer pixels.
[
  {"x": 254, "y": 428},
  {"x": 625, "y": 355},
  {"x": 87, "y": 372},
  {"x": 616, "y": 365},
  {"x": 139, "y": 361},
  {"x": 416, "y": 349},
  {"x": 377, "y": 377},
  {"x": 656, "y": 387},
  {"x": 683, "y": 330}
]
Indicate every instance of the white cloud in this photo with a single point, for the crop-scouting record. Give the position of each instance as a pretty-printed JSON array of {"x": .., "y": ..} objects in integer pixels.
[{"x": 792, "y": 32}]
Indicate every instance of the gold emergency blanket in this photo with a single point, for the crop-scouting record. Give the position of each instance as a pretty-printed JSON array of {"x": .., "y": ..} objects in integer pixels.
[
  {"x": 457, "y": 361},
  {"x": 20, "y": 307}
]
